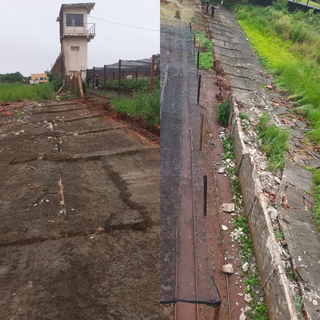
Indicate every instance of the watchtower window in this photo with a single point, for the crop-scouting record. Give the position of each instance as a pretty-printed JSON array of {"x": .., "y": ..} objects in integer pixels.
[
  {"x": 74, "y": 48},
  {"x": 74, "y": 20}
]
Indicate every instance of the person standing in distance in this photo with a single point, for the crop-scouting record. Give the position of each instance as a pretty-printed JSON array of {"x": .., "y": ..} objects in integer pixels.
[
  {"x": 212, "y": 9},
  {"x": 207, "y": 4}
]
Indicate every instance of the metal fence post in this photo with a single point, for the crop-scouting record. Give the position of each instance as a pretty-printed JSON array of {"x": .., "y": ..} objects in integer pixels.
[
  {"x": 119, "y": 83},
  {"x": 199, "y": 84},
  {"x": 137, "y": 74},
  {"x": 93, "y": 76},
  {"x": 205, "y": 192},
  {"x": 105, "y": 77},
  {"x": 113, "y": 76},
  {"x": 152, "y": 73},
  {"x": 201, "y": 131}
]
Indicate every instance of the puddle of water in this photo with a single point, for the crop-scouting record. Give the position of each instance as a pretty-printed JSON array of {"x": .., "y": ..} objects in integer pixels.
[{"x": 177, "y": 15}]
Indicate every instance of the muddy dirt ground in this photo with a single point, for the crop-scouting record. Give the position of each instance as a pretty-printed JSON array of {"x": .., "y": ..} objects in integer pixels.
[{"x": 79, "y": 210}]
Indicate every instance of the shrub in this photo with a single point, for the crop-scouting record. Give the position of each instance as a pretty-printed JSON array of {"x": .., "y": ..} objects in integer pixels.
[
  {"x": 84, "y": 86},
  {"x": 57, "y": 84},
  {"x": 223, "y": 112},
  {"x": 274, "y": 142}
]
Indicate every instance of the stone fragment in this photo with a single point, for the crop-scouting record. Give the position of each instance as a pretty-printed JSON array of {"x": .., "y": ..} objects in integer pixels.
[
  {"x": 300, "y": 124},
  {"x": 315, "y": 163},
  {"x": 224, "y": 228},
  {"x": 247, "y": 297},
  {"x": 228, "y": 207},
  {"x": 315, "y": 302},
  {"x": 221, "y": 170},
  {"x": 277, "y": 180},
  {"x": 273, "y": 213},
  {"x": 242, "y": 315},
  {"x": 230, "y": 257},
  {"x": 245, "y": 266},
  {"x": 227, "y": 268}
]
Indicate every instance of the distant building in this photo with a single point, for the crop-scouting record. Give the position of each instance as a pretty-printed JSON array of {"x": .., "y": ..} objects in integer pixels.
[
  {"x": 38, "y": 78},
  {"x": 75, "y": 33}
]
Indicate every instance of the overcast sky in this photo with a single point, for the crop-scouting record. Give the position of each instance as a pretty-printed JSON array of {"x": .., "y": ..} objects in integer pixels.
[{"x": 29, "y": 33}]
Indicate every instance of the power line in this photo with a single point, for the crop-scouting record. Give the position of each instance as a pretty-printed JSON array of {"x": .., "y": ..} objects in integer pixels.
[{"x": 126, "y": 25}]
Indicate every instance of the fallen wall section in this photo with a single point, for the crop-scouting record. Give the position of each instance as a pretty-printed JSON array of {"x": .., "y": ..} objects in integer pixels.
[{"x": 273, "y": 279}]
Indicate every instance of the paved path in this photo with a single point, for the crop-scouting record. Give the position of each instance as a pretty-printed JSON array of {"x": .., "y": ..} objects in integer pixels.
[
  {"x": 247, "y": 80},
  {"x": 79, "y": 211}
]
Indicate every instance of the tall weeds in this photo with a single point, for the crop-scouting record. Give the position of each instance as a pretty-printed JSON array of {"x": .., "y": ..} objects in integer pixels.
[
  {"x": 38, "y": 92},
  {"x": 289, "y": 46}
]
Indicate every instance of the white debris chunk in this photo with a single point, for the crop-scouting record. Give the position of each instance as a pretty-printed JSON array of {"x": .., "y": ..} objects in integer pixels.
[{"x": 227, "y": 268}]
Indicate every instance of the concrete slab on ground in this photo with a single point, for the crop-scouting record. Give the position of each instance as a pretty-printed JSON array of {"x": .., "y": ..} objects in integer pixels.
[{"x": 79, "y": 211}]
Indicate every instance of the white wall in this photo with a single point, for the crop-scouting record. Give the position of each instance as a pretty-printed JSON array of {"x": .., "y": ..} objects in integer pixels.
[{"x": 75, "y": 60}]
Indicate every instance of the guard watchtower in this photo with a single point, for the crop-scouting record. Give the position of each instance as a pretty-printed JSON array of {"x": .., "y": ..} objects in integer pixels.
[{"x": 75, "y": 33}]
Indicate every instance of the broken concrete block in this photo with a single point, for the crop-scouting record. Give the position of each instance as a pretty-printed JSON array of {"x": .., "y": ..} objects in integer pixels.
[
  {"x": 228, "y": 207},
  {"x": 227, "y": 268}
]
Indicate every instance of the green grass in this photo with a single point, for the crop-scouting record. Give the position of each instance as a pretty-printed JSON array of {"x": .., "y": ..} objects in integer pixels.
[
  {"x": 274, "y": 142},
  {"x": 223, "y": 112},
  {"x": 38, "y": 92},
  {"x": 315, "y": 211},
  {"x": 206, "y": 47},
  {"x": 288, "y": 45},
  {"x": 144, "y": 105},
  {"x": 206, "y": 60},
  {"x": 204, "y": 42}
]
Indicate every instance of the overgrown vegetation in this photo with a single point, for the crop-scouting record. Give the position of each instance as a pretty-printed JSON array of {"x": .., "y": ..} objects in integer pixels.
[
  {"x": 201, "y": 38},
  {"x": 144, "y": 105},
  {"x": 273, "y": 141},
  {"x": 206, "y": 47},
  {"x": 206, "y": 60},
  {"x": 223, "y": 112},
  {"x": 38, "y": 92},
  {"x": 57, "y": 84},
  {"x": 258, "y": 309},
  {"x": 315, "y": 211},
  {"x": 131, "y": 85},
  {"x": 289, "y": 46}
]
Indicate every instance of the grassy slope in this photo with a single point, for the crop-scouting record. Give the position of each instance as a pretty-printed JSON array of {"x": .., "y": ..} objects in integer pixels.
[
  {"x": 298, "y": 73},
  {"x": 290, "y": 50}
]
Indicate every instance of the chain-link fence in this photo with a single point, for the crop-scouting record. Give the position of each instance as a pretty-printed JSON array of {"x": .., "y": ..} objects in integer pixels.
[{"x": 186, "y": 272}]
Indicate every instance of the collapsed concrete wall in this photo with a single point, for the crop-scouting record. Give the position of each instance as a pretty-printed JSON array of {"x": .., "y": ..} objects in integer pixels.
[{"x": 273, "y": 279}]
